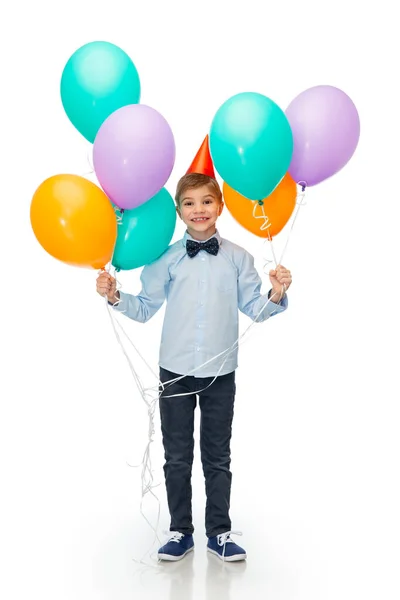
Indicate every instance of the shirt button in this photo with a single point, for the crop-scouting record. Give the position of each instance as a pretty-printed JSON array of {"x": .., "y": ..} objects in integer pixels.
[{"x": 198, "y": 349}]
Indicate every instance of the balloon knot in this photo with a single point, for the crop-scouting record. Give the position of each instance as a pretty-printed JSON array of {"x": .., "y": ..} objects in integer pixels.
[
  {"x": 260, "y": 202},
  {"x": 303, "y": 185}
]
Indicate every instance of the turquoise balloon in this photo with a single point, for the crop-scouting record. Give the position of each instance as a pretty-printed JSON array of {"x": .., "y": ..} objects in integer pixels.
[
  {"x": 145, "y": 232},
  {"x": 251, "y": 144},
  {"x": 98, "y": 79}
]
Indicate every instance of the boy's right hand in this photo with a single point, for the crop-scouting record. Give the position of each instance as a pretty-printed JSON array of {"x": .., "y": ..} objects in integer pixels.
[{"x": 106, "y": 285}]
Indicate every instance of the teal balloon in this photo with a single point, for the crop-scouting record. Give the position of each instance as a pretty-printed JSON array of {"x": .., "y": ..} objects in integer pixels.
[
  {"x": 145, "y": 232},
  {"x": 251, "y": 144},
  {"x": 98, "y": 79}
]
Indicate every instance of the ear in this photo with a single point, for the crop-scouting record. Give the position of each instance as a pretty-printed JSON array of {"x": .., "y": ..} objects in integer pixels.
[
  {"x": 221, "y": 208},
  {"x": 178, "y": 212}
]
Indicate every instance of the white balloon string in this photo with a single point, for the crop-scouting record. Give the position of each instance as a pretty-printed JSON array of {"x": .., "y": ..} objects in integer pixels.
[
  {"x": 89, "y": 163},
  {"x": 151, "y": 395},
  {"x": 266, "y": 222},
  {"x": 119, "y": 213},
  {"x": 272, "y": 250},
  {"x": 147, "y": 471},
  {"x": 299, "y": 203}
]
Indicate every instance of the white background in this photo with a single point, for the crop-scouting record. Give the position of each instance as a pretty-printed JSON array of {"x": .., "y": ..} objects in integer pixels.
[{"x": 315, "y": 450}]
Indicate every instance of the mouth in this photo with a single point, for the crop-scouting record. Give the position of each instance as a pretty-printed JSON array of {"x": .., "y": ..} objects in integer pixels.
[{"x": 199, "y": 219}]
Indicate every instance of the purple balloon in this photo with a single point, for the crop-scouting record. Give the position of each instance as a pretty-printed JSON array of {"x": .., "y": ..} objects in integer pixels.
[
  {"x": 133, "y": 155},
  {"x": 326, "y": 129}
]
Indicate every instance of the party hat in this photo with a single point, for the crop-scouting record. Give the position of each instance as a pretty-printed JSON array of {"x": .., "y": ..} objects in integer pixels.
[{"x": 202, "y": 162}]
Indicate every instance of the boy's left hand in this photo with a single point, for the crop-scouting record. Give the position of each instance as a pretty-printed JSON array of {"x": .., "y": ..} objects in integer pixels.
[{"x": 281, "y": 280}]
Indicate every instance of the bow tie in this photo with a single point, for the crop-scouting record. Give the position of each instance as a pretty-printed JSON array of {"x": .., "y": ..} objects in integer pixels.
[{"x": 211, "y": 246}]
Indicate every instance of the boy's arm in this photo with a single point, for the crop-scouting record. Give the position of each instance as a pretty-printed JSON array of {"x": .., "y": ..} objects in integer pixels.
[
  {"x": 250, "y": 299},
  {"x": 154, "y": 279}
]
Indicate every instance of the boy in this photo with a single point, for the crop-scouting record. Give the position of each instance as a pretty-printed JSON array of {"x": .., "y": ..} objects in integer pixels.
[{"x": 205, "y": 280}]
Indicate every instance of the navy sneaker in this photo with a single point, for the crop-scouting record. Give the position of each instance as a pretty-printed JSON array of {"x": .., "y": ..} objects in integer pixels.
[
  {"x": 178, "y": 545},
  {"x": 225, "y": 548}
]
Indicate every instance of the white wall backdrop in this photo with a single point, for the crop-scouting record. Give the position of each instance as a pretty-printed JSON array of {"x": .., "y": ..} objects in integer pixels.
[{"x": 315, "y": 450}]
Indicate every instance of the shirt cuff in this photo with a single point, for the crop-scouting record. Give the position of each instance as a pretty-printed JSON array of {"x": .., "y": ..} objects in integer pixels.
[
  {"x": 119, "y": 303},
  {"x": 282, "y": 301}
]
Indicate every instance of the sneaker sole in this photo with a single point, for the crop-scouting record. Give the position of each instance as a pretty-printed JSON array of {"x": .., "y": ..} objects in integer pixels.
[
  {"x": 170, "y": 557},
  {"x": 234, "y": 558}
]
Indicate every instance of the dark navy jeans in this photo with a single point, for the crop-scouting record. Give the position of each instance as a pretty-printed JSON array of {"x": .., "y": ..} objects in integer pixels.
[{"x": 177, "y": 426}]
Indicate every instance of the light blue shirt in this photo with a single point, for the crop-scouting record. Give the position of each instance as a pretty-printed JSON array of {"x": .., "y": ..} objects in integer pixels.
[{"x": 203, "y": 296}]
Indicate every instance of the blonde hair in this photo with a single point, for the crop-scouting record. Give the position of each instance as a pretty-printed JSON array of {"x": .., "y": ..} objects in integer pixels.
[{"x": 196, "y": 180}]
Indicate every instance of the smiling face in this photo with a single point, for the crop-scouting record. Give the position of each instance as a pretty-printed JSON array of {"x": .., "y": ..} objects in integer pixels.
[{"x": 199, "y": 208}]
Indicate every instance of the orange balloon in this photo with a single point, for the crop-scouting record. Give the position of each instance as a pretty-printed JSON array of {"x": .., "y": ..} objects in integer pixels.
[
  {"x": 270, "y": 217},
  {"x": 74, "y": 221}
]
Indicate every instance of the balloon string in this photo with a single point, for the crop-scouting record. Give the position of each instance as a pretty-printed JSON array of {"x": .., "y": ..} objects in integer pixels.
[
  {"x": 299, "y": 203},
  {"x": 90, "y": 165},
  {"x": 266, "y": 224},
  {"x": 151, "y": 395},
  {"x": 147, "y": 471},
  {"x": 272, "y": 249},
  {"x": 119, "y": 213}
]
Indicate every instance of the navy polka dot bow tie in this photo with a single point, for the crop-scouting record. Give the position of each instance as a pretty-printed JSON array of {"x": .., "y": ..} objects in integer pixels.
[{"x": 211, "y": 246}]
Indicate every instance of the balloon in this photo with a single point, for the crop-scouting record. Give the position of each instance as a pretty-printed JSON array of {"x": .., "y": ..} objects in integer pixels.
[
  {"x": 326, "y": 130},
  {"x": 133, "y": 155},
  {"x": 98, "y": 79},
  {"x": 277, "y": 208},
  {"x": 251, "y": 144},
  {"x": 145, "y": 232},
  {"x": 74, "y": 221}
]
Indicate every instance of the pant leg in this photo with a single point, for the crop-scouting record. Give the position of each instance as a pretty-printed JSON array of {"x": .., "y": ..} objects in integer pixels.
[
  {"x": 216, "y": 404},
  {"x": 177, "y": 426}
]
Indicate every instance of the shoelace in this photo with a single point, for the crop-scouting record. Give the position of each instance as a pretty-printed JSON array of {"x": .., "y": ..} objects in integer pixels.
[
  {"x": 175, "y": 537},
  {"x": 225, "y": 538}
]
